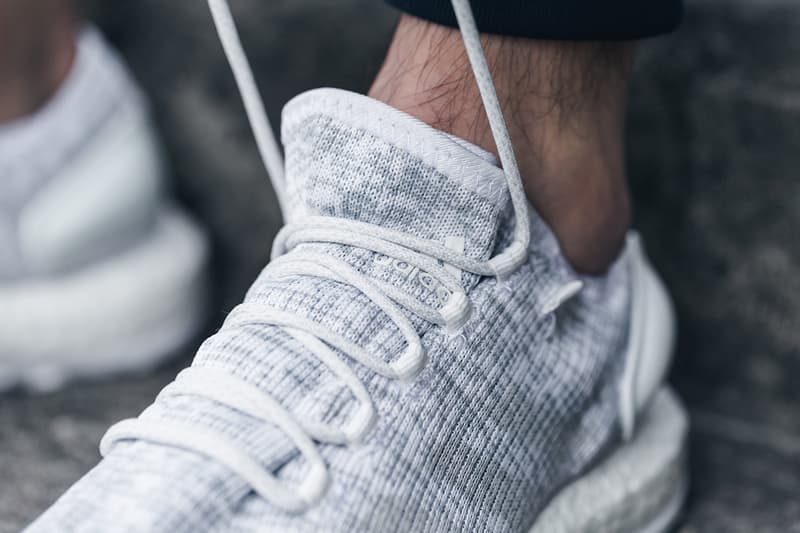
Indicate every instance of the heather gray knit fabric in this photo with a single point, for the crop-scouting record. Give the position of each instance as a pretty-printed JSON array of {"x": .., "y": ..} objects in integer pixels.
[
  {"x": 34, "y": 148},
  {"x": 501, "y": 416}
]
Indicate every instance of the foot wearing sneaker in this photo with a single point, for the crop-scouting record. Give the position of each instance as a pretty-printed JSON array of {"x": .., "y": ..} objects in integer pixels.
[
  {"x": 419, "y": 356},
  {"x": 564, "y": 104},
  {"x": 98, "y": 274}
]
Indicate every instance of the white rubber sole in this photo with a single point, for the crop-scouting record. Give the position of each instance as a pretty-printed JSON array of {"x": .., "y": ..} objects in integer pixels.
[
  {"x": 125, "y": 314},
  {"x": 639, "y": 488}
]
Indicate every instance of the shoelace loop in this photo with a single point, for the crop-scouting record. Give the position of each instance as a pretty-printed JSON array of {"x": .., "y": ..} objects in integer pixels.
[{"x": 290, "y": 259}]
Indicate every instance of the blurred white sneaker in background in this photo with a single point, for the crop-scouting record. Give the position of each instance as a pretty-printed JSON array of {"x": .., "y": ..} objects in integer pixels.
[{"x": 98, "y": 273}]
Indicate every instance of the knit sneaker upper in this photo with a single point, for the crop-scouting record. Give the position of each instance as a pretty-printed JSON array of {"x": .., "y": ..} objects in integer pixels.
[{"x": 502, "y": 413}]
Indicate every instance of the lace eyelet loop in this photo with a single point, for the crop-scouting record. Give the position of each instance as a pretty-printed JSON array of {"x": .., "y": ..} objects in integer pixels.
[
  {"x": 410, "y": 363},
  {"x": 456, "y": 312},
  {"x": 507, "y": 262}
]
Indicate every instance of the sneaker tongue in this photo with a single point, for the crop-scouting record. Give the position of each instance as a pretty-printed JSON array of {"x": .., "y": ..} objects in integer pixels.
[{"x": 353, "y": 157}]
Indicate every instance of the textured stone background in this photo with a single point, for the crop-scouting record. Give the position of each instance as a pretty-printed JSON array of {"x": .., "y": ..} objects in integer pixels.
[{"x": 714, "y": 158}]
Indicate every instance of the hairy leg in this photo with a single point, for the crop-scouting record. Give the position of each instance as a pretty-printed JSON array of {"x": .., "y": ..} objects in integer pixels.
[
  {"x": 37, "y": 44},
  {"x": 565, "y": 107}
]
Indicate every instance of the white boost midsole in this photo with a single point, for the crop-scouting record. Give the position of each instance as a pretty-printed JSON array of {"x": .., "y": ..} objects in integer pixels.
[
  {"x": 122, "y": 313},
  {"x": 638, "y": 488}
]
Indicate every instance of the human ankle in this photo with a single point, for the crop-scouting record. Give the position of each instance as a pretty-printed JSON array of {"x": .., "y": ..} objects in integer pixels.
[
  {"x": 37, "y": 48},
  {"x": 564, "y": 105}
]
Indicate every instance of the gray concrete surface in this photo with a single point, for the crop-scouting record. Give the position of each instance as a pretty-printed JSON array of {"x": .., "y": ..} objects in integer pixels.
[{"x": 714, "y": 160}]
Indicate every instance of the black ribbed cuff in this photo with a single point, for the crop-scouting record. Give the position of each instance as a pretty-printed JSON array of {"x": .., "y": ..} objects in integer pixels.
[{"x": 570, "y": 20}]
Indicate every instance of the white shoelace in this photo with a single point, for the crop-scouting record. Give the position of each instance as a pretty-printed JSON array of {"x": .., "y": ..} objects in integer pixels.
[{"x": 422, "y": 253}]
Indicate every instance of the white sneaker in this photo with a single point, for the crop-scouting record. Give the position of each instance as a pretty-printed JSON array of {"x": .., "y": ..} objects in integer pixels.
[
  {"x": 98, "y": 274},
  {"x": 418, "y": 356}
]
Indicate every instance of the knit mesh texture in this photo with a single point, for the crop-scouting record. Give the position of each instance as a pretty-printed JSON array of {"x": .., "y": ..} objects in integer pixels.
[{"x": 498, "y": 420}]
